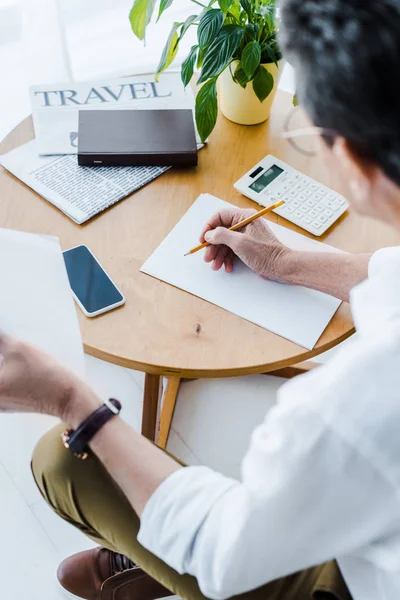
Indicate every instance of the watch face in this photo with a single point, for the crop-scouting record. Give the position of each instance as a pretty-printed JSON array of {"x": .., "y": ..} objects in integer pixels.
[{"x": 65, "y": 436}]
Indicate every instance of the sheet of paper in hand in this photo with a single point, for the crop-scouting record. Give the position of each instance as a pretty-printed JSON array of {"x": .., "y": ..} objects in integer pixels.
[
  {"x": 36, "y": 300},
  {"x": 296, "y": 313}
]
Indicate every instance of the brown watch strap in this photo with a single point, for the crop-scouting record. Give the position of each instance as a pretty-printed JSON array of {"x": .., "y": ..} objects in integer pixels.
[{"x": 77, "y": 441}]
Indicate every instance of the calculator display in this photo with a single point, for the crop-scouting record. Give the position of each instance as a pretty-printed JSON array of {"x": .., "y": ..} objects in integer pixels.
[{"x": 266, "y": 178}]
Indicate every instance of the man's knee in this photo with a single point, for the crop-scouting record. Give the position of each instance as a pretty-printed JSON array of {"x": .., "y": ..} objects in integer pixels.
[{"x": 53, "y": 466}]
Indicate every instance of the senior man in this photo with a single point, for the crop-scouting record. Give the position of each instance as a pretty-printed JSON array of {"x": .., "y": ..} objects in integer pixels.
[{"x": 316, "y": 513}]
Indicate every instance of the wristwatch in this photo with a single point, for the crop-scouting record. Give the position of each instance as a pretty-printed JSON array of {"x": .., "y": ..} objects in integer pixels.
[{"x": 77, "y": 440}]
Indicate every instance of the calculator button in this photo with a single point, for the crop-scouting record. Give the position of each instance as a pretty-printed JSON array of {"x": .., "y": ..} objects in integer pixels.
[
  {"x": 313, "y": 187},
  {"x": 328, "y": 213},
  {"x": 293, "y": 193},
  {"x": 308, "y": 192},
  {"x": 313, "y": 213},
  {"x": 299, "y": 187},
  {"x": 310, "y": 203},
  {"x": 333, "y": 206},
  {"x": 317, "y": 196},
  {"x": 289, "y": 209},
  {"x": 298, "y": 214},
  {"x": 302, "y": 197},
  {"x": 319, "y": 208},
  {"x": 322, "y": 219},
  {"x": 307, "y": 219},
  {"x": 342, "y": 201},
  {"x": 305, "y": 208},
  {"x": 295, "y": 203},
  {"x": 316, "y": 225}
]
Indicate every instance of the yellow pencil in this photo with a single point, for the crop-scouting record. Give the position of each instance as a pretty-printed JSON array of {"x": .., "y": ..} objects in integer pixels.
[{"x": 243, "y": 223}]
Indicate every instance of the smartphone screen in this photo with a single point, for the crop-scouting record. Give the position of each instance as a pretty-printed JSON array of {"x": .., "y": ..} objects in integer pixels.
[{"x": 89, "y": 282}]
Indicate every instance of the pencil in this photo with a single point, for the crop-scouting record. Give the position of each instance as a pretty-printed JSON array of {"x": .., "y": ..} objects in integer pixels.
[{"x": 243, "y": 223}]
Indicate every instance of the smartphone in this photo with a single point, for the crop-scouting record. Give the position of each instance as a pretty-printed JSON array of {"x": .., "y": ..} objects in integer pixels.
[{"x": 94, "y": 291}]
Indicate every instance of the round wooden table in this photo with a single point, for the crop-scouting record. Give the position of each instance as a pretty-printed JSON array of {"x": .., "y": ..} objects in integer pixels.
[{"x": 162, "y": 330}]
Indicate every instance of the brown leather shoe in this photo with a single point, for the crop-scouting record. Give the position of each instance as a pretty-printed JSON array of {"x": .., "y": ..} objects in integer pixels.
[{"x": 100, "y": 574}]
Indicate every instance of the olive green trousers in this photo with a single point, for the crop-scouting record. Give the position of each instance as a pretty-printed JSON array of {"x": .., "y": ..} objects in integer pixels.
[{"x": 84, "y": 494}]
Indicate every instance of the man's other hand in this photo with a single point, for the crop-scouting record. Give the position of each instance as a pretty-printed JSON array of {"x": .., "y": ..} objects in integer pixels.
[{"x": 32, "y": 381}]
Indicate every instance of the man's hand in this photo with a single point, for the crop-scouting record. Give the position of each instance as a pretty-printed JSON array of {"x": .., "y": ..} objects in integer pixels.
[
  {"x": 31, "y": 381},
  {"x": 255, "y": 245}
]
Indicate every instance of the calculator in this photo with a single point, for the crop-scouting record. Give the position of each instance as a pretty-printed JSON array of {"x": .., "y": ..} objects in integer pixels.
[{"x": 308, "y": 204}]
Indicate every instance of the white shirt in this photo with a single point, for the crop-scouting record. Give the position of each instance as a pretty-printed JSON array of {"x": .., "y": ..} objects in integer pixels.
[{"x": 321, "y": 479}]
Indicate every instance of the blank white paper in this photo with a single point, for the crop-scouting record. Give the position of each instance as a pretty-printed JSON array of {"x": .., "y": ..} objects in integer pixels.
[
  {"x": 296, "y": 313},
  {"x": 36, "y": 303}
]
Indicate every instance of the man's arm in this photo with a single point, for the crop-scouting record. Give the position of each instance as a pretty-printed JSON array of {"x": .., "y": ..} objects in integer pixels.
[
  {"x": 334, "y": 274},
  {"x": 259, "y": 248},
  {"x": 138, "y": 466}
]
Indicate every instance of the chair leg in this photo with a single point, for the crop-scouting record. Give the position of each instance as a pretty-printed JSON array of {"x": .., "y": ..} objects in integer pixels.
[{"x": 167, "y": 412}]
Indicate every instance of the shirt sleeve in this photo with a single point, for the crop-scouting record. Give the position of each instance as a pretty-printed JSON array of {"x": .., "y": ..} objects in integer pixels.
[
  {"x": 381, "y": 289},
  {"x": 300, "y": 501}
]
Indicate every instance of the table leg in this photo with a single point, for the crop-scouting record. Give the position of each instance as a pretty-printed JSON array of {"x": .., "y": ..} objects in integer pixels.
[
  {"x": 151, "y": 399},
  {"x": 167, "y": 413}
]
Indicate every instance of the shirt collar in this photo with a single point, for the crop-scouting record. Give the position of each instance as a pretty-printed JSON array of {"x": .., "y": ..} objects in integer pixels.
[{"x": 376, "y": 301}]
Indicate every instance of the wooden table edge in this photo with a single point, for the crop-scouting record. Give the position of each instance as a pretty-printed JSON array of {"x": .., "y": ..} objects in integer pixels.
[{"x": 167, "y": 371}]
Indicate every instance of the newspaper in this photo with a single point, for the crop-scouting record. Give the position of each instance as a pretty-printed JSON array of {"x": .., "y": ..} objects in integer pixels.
[
  {"x": 55, "y": 108},
  {"x": 79, "y": 192}
]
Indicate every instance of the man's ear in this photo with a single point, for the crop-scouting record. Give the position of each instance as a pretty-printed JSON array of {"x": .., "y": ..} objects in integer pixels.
[
  {"x": 369, "y": 188},
  {"x": 359, "y": 173}
]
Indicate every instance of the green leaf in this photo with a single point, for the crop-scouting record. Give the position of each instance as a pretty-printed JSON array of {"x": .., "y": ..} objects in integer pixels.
[
  {"x": 251, "y": 56},
  {"x": 140, "y": 16},
  {"x": 186, "y": 25},
  {"x": 220, "y": 52},
  {"x": 209, "y": 26},
  {"x": 234, "y": 10},
  {"x": 294, "y": 101},
  {"x": 170, "y": 50},
  {"x": 246, "y": 5},
  {"x": 263, "y": 83},
  {"x": 271, "y": 53},
  {"x": 200, "y": 58},
  {"x": 225, "y": 5},
  {"x": 252, "y": 30},
  {"x": 164, "y": 4},
  {"x": 240, "y": 76},
  {"x": 188, "y": 66},
  {"x": 206, "y": 109}
]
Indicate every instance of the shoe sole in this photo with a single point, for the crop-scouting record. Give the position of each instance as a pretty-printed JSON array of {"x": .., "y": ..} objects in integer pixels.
[{"x": 71, "y": 596}]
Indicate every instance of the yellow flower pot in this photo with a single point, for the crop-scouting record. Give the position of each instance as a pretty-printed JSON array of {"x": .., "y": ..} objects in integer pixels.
[{"x": 241, "y": 105}]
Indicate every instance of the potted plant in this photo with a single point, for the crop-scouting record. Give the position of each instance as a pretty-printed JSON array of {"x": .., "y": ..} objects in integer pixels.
[{"x": 236, "y": 45}]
